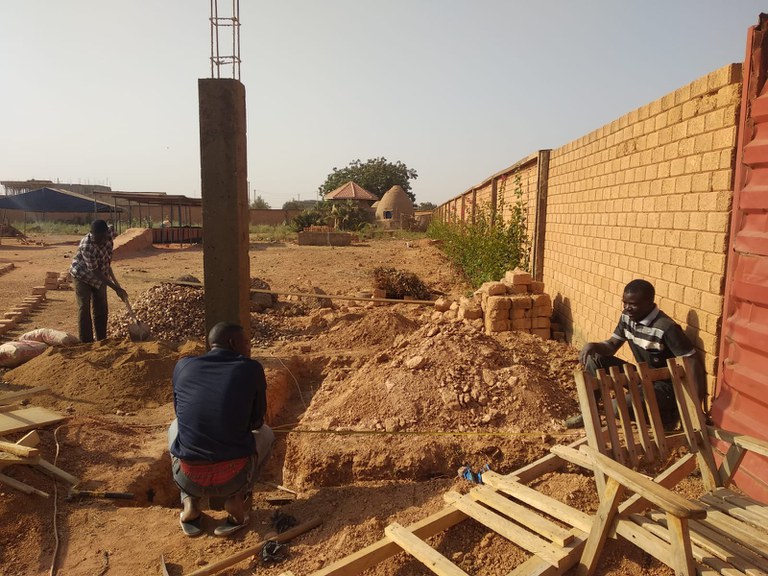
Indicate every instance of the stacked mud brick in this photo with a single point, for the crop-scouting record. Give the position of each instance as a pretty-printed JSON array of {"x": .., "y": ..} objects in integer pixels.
[
  {"x": 20, "y": 312},
  {"x": 56, "y": 281},
  {"x": 516, "y": 303}
]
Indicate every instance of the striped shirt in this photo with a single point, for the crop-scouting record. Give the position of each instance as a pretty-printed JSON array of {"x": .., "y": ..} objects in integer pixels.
[
  {"x": 91, "y": 258},
  {"x": 654, "y": 339}
]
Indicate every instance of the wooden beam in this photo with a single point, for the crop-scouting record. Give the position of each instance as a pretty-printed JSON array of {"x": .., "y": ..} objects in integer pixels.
[
  {"x": 386, "y": 548},
  {"x": 522, "y": 515},
  {"x": 28, "y": 418},
  {"x": 19, "y": 394},
  {"x": 18, "y": 450},
  {"x": 56, "y": 472},
  {"x": 536, "y": 499},
  {"x": 600, "y": 527},
  {"x": 27, "y": 489},
  {"x": 669, "y": 478},
  {"x": 536, "y": 566},
  {"x": 422, "y": 551},
  {"x": 504, "y": 527}
]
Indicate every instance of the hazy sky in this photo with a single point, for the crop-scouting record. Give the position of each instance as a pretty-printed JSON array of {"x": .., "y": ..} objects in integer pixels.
[{"x": 105, "y": 92}]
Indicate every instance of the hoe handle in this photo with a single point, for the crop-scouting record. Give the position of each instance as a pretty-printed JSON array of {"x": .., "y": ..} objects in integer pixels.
[{"x": 248, "y": 552}]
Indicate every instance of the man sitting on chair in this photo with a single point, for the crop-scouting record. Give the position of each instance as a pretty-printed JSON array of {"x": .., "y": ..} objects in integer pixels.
[{"x": 653, "y": 338}]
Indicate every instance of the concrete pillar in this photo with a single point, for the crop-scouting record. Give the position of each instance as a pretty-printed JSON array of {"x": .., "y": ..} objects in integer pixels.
[{"x": 223, "y": 170}]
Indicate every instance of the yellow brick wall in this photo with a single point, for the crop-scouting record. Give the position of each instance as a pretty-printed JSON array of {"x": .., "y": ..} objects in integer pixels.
[{"x": 646, "y": 196}]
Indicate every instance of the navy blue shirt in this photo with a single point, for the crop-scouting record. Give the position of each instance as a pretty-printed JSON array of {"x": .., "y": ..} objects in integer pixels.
[{"x": 219, "y": 398}]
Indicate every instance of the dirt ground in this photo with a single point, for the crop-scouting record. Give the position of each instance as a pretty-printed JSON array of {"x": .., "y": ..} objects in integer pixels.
[{"x": 417, "y": 400}]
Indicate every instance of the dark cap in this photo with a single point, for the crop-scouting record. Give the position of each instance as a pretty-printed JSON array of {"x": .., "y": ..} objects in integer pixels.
[{"x": 99, "y": 227}]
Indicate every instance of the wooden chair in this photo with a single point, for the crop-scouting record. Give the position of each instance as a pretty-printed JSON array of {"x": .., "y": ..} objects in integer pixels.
[{"x": 722, "y": 532}]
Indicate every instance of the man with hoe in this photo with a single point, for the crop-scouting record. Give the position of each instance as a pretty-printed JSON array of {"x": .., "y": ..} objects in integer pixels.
[
  {"x": 219, "y": 442},
  {"x": 653, "y": 338},
  {"x": 91, "y": 271}
]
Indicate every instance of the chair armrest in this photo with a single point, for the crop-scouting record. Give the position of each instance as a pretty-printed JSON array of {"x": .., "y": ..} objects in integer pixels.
[
  {"x": 741, "y": 440},
  {"x": 645, "y": 487}
]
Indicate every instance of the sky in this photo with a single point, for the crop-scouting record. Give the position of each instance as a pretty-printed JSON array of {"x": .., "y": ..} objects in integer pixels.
[{"x": 105, "y": 92}]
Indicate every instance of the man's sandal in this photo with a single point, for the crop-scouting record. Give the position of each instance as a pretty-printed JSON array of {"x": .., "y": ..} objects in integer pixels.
[
  {"x": 192, "y": 528},
  {"x": 230, "y": 526}
]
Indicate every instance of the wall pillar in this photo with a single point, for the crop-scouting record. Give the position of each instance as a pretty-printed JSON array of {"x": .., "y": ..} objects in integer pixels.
[{"x": 223, "y": 171}]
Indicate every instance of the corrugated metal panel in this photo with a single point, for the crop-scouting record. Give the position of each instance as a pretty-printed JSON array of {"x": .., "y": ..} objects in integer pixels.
[{"x": 741, "y": 403}]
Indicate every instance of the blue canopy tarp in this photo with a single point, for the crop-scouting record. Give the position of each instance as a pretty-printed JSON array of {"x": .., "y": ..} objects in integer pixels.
[{"x": 54, "y": 200}]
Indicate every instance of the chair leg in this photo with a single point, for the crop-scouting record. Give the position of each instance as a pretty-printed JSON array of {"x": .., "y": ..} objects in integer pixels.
[
  {"x": 680, "y": 539},
  {"x": 600, "y": 527}
]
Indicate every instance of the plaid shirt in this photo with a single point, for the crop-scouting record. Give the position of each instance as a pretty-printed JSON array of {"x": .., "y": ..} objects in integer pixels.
[{"x": 91, "y": 258}]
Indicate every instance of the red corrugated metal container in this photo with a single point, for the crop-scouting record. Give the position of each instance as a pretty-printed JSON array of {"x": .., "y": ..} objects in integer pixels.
[{"x": 741, "y": 399}]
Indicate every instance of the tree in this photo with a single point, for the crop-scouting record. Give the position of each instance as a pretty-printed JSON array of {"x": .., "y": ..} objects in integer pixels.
[
  {"x": 260, "y": 203},
  {"x": 426, "y": 206},
  {"x": 375, "y": 175}
]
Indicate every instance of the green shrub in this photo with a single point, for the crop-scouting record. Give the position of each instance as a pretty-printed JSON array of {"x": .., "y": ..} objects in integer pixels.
[{"x": 485, "y": 249}]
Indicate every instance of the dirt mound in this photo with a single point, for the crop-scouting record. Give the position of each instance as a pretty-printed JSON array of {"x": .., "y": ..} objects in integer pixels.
[
  {"x": 434, "y": 399},
  {"x": 104, "y": 376},
  {"x": 372, "y": 327}
]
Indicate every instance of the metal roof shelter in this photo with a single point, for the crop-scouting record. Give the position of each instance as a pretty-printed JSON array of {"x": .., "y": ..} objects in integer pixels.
[
  {"x": 179, "y": 209},
  {"x": 54, "y": 200}
]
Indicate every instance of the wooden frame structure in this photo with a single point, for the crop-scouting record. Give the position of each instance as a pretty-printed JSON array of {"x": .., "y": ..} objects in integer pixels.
[{"x": 721, "y": 532}]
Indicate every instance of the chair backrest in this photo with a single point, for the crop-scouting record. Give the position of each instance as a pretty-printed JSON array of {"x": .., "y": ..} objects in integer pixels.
[{"x": 629, "y": 440}]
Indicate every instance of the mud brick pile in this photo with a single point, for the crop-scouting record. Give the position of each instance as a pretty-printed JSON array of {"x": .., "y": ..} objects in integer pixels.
[{"x": 517, "y": 303}]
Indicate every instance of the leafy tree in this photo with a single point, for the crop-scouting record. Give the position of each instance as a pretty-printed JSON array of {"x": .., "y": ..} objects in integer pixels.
[
  {"x": 344, "y": 215},
  {"x": 426, "y": 206},
  {"x": 375, "y": 175},
  {"x": 260, "y": 204}
]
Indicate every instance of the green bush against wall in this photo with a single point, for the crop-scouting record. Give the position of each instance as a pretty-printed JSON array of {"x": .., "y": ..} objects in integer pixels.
[{"x": 485, "y": 247}]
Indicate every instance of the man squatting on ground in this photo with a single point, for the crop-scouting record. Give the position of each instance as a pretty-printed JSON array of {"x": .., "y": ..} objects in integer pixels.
[
  {"x": 653, "y": 338},
  {"x": 219, "y": 442},
  {"x": 91, "y": 271}
]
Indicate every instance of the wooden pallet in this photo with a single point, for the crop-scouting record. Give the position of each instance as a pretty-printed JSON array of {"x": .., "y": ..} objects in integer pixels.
[{"x": 504, "y": 504}]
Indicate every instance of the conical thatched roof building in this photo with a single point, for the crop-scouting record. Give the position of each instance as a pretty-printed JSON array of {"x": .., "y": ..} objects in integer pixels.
[
  {"x": 395, "y": 205},
  {"x": 351, "y": 191}
]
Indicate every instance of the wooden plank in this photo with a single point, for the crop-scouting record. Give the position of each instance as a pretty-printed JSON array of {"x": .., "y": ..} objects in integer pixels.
[
  {"x": 10, "y": 407},
  {"x": 753, "y": 517},
  {"x": 27, "y": 489},
  {"x": 731, "y": 463},
  {"x": 573, "y": 456},
  {"x": 422, "y": 551},
  {"x": 522, "y": 515},
  {"x": 631, "y": 528},
  {"x": 28, "y": 418},
  {"x": 620, "y": 384},
  {"x": 585, "y": 385},
  {"x": 693, "y": 422},
  {"x": 634, "y": 386},
  {"x": 745, "y": 502},
  {"x": 56, "y": 472},
  {"x": 605, "y": 513},
  {"x": 746, "y": 535},
  {"x": 19, "y": 394},
  {"x": 30, "y": 439},
  {"x": 747, "y": 442},
  {"x": 385, "y": 548},
  {"x": 536, "y": 566},
  {"x": 606, "y": 386},
  {"x": 657, "y": 525},
  {"x": 536, "y": 499},
  {"x": 18, "y": 450},
  {"x": 543, "y": 465},
  {"x": 668, "y": 478},
  {"x": 711, "y": 543},
  {"x": 663, "y": 498},
  {"x": 12, "y": 459},
  {"x": 504, "y": 527},
  {"x": 652, "y": 407},
  {"x": 680, "y": 541}
]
